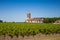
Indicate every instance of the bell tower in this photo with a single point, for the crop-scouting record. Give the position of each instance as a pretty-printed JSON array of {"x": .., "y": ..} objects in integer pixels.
[{"x": 28, "y": 15}]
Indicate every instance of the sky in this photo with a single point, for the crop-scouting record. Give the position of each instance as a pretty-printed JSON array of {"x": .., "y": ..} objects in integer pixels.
[{"x": 16, "y": 10}]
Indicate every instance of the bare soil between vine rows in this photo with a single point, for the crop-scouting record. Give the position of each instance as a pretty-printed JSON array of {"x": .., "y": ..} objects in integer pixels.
[{"x": 36, "y": 37}]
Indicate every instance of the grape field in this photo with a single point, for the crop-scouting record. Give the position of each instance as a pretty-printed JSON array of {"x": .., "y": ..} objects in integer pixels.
[{"x": 15, "y": 29}]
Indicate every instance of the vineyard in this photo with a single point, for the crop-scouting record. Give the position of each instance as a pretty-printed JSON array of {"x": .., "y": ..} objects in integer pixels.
[{"x": 15, "y": 29}]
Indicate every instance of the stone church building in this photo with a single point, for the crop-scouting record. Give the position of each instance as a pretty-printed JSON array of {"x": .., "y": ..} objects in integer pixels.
[{"x": 33, "y": 20}]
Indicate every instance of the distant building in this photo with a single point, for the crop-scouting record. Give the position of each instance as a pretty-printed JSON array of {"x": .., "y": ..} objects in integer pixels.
[
  {"x": 57, "y": 22},
  {"x": 33, "y": 20}
]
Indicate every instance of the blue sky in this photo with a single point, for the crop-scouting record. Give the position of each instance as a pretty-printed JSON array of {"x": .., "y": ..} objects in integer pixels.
[{"x": 15, "y": 10}]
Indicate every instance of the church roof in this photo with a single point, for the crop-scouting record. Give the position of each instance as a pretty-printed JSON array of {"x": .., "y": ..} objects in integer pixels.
[{"x": 35, "y": 19}]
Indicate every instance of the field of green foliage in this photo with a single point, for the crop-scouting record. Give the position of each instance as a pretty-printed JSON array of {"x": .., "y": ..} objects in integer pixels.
[{"x": 23, "y": 29}]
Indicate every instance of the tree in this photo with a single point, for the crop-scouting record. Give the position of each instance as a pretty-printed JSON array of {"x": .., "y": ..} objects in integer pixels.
[
  {"x": 1, "y": 21},
  {"x": 51, "y": 20}
]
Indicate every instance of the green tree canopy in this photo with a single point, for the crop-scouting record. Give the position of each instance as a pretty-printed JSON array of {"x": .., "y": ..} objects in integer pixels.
[{"x": 1, "y": 21}]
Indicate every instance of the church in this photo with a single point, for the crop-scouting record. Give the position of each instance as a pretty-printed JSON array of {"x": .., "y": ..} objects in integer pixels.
[{"x": 33, "y": 20}]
